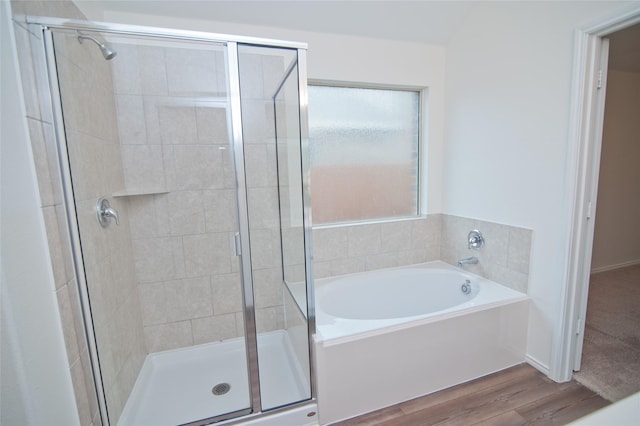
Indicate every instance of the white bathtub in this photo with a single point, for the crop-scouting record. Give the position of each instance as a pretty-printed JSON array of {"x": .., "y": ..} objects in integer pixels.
[{"x": 391, "y": 335}]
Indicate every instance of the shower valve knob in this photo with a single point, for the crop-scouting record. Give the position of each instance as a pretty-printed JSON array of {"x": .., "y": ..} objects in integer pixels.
[{"x": 104, "y": 211}]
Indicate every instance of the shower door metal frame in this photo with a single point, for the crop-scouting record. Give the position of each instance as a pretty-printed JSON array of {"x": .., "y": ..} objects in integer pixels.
[{"x": 48, "y": 82}]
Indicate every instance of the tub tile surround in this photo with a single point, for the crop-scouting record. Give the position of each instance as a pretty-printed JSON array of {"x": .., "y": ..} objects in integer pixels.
[
  {"x": 504, "y": 257},
  {"x": 347, "y": 249}
]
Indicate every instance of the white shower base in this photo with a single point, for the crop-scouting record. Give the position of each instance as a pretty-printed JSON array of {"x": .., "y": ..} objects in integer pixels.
[{"x": 175, "y": 387}]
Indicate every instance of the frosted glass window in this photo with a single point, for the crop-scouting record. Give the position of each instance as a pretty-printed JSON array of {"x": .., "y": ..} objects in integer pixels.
[{"x": 364, "y": 146}]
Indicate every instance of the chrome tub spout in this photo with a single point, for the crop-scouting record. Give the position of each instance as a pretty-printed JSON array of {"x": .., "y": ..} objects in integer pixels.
[{"x": 471, "y": 260}]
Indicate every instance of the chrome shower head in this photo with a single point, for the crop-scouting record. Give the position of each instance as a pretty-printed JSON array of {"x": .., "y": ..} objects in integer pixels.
[{"x": 106, "y": 51}]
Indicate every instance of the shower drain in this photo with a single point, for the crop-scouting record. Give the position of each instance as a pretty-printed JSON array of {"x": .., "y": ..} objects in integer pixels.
[{"x": 221, "y": 388}]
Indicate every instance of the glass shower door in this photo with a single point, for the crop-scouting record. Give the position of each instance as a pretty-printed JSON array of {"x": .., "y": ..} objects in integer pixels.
[
  {"x": 148, "y": 130},
  {"x": 272, "y": 139}
]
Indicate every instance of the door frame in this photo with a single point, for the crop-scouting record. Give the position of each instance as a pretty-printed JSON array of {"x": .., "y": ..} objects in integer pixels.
[{"x": 583, "y": 162}]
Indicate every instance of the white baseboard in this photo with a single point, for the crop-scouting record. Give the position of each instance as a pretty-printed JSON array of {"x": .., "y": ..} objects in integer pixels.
[
  {"x": 616, "y": 266},
  {"x": 536, "y": 364}
]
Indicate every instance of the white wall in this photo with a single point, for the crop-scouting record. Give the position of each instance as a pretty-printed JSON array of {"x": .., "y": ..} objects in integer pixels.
[
  {"x": 617, "y": 236},
  {"x": 36, "y": 386},
  {"x": 347, "y": 58},
  {"x": 506, "y": 137}
]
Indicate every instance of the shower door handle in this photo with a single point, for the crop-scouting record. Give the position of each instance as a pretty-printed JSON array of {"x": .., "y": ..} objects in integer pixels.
[
  {"x": 105, "y": 212},
  {"x": 237, "y": 248}
]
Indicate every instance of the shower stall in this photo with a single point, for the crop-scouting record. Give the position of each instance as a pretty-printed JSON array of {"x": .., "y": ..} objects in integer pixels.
[{"x": 182, "y": 157}]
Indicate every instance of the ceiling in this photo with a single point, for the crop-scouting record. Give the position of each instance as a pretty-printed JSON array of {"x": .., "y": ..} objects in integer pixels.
[
  {"x": 424, "y": 21},
  {"x": 421, "y": 21}
]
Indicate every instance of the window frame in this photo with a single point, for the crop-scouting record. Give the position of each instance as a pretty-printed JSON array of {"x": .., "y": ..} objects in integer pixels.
[{"x": 422, "y": 149}]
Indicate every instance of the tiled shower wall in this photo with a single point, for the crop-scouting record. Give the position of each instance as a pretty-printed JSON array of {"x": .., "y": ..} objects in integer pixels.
[
  {"x": 179, "y": 186},
  {"x": 96, "y": 168},
  {"x": 356, "y": 248},
  {"x": 261, "y": 70}
]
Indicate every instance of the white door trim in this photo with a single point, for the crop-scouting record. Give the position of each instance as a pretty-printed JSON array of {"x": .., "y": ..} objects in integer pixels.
[{"x": 583, "y": 161}]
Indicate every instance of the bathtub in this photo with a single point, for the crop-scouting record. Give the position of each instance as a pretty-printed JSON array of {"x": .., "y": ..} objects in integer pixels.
[{"x": 387, "y": 336}]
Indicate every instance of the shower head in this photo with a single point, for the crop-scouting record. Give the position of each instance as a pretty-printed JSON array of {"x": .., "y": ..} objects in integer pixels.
[{"x": 106, "y": 51}]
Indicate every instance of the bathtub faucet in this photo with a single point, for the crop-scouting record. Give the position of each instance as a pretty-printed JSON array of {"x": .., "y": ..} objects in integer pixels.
[{"x": 471, "y": 260}]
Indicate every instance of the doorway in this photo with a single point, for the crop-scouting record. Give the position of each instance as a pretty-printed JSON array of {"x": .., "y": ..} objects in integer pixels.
[
  {"x": 610, "y": 362},
  {"x": 591, "y": 78}
]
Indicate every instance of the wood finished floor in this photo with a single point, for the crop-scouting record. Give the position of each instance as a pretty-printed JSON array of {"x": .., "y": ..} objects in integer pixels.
[{"x": 520, "y": 395}]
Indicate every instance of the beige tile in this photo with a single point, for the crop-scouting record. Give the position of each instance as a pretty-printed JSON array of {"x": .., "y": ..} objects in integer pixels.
[
  {"x": 267, "y": 287},
  {"x": 47, "y": 197},
  {"x": 191, "y": 72},
  {"x": 251, "y": 75},
  {"x": 220, "y": 210},
  {"x": 228, "y": 169},
  {"x": 347, "y": 265},
  {"x": 293, "y": 246},
  {"x": 23, "y": 45},
  {"x": 126, "y": 70},
  {"x": 240, "y": 324},
  {"x": 154, "y": 259},
  {"x": 186, "y": 212},
  {"x": 212, "y": 125},
  {"x": 221, "y": 71},
  {"x": 68, "y": 324},
  {"x": 226, "y": 291},
  {"x": 273, "y": 69},
  {"x": 455, "y": 231},
  {"x": 364, "y": 239},
  {"x": 65, "y": 245},
  {"x": 148, "y": 216},
  {"x": 382, "y": 261},
  {"x": 151, "y": 119},
  {"x": 111, "y": 167},
  {"x": 168, "y": 336},
  {"x": 519, "y": 249},
  {"x": 496, "y": 246},
  {"x": 269, "y": 319},
  {"x": 79, "y": 388},
  {"x": 188, "y": 298},
  {"x": 127, "y": 377},
  {"x": 214, "y": 328},
  {"x": 143, "y": 166},
  {"x": 263, "y": 208},
  {"x": 114, "y": 401},
  {"x": 76, "y": 310},
  {"x": 258, "y": 121},
  {"x": 509, "y": 278},
  {"x": 131, "y": 120},
  {"x": 177, "y": 124},
  {"x": 207, "y": 254},
  {"x": 324, "y": 269},
  {"x": 395, "y": 236},
  {"x": 56, "y": 253},
  {"x": 265, "y": 248},
  {"x": 152, "y": 64},
  {"x": 53, "y": 162},
  {"x": 198, "y": 167},
  {"x": 153, "y": 303},
  {"x": 123, "y": 335},
  {"x": 330, "y": 243},
  {"x": 260, "y": 166},
  {"x": 86, "y": 154},
  {"x": 89, "y": 385}
]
